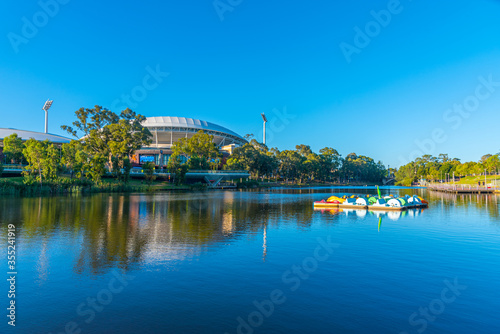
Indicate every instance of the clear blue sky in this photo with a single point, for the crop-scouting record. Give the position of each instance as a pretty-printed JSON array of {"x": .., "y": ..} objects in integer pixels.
[{"x": 266, "y": 55}]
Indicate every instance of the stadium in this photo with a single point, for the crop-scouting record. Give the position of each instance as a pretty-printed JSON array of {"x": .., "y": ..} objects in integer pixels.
[{"x": 167, "y": 130}]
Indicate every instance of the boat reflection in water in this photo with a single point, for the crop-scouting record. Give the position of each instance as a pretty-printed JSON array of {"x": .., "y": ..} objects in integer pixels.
[{"x": 363, "y": 213}]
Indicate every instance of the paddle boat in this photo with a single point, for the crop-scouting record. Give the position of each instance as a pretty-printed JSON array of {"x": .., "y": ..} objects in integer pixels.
[{"x": 375, "y": 202}]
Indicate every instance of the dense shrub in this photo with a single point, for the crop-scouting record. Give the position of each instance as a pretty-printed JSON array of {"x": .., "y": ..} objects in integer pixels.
[
  {"x": 247, "y": 184},
  {"x": 30, "y": 186}
]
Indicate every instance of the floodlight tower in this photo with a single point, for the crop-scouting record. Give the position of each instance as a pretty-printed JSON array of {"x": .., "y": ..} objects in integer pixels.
[
  {"x": 265, "y": 121},
  {"x": 46, "y": 107}
]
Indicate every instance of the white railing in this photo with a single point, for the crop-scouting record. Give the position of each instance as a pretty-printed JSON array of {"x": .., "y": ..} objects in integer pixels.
[
  {"x": 13, "y": 167},
  {"x": 141, "y": 171},
  {"x": 454, "y": 187},
  {"x": 219, "y": 171}
]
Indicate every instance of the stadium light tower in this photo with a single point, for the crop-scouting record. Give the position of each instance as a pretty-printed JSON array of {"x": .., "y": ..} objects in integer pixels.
[
  {"x": 264, "y": 135},
  {"x": 46, "y": 107}
]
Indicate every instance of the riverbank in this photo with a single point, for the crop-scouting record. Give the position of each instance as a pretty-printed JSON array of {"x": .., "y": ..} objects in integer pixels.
[
  {"x": 317, "y": 184},
  {"x": 63, "y": 185},
  {"x": 473, "y": 180}
]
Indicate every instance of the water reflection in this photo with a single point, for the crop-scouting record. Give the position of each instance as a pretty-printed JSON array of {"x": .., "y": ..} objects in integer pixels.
[
  {"x": 364, "y": 213},
  {"x": 487, "y": 202},
  {"x": 123, "y": 231}
]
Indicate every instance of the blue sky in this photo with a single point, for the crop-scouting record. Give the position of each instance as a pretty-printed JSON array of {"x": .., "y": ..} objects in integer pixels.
[{"x": 390, "y": 101}]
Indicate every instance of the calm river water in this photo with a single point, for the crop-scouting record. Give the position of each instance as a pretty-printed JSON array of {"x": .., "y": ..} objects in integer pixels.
[{"x": 252, "y": 262}]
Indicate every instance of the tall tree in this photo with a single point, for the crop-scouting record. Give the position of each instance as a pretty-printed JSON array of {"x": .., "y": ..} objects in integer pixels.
[
  {"x": 245, "y": 157},
  {"x": 332, "y": 161},
  {"x": 149, "y": 172},
  {"x": 200, "y": 149},
  {"x": 443, "y": 158},
  {"x": 485, "y": 157},
  {"x": 13, "y": 148},
  {"x": 254, "y": 157},
  {"x": 108, "y": 136},
  {"x": 178, "y": 168},
  {"x": 291, "y": 165},
  {"x": 74, "y": 158},
  {"x": 303, "y": 150},
  {"x": 42, "y": 158},
  {"x": 492, "y": 164}
]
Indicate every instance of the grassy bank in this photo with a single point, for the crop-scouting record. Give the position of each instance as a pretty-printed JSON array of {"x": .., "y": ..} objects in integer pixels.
[
  {"x": 65, "y": 185},
  {"x": 473, "y": 180},
  {"x": 157, "y": 185}
]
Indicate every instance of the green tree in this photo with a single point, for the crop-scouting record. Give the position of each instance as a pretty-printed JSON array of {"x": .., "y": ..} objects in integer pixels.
[
  {"x": 73, "y": 159},
  {"x": 179, "y": 169},
  {"x": 406, "y": 175},
  {"x": 263, "y": 162},
  {"x": 254, "y": 157},
  {"x": 13, "y": 148},
  {"x": 485, "y": 157},
  {"x": 361, "y": 168},
  {"x": 433, "y": 169},
  {"x": 42, "y": 158},
  {"x": 463, "y": 169},
  {"x": 201, "y": 150},
  {"x": 477, "y": 168},
  {"x": 267, "y": 164},
  {"x": 149, "y": 172},
  {"x": 331, "y": 162},
  {"x": 245, "y": 157},
  {"x": 443, "y": 158},
  {"x": 312, "y": 167},
  {"x": 126, "y": 168},
  {"x": 96, "y": 167},
  {"x": 108, "y": 136},
  {"x": 492, "y": 163},
  {"x": 303, "y": 150},
  {"x": 127, "y": 136},
  {"x": 309, "y": 166},
  {"x": 291, "y": 165},
  {"x": 248, "y": 136}
]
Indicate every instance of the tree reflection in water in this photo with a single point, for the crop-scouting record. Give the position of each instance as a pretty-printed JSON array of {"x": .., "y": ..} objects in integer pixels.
[{"x": 125, "y": 230}]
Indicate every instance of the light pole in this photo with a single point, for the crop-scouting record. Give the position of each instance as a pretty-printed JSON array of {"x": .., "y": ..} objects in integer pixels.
[
  {"x": 46, "y": 107},
  {"x": 264, "y": 132}
]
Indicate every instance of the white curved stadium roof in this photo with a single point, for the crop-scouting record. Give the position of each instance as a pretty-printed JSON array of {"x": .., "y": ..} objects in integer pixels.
[
  {"x": 159, "y": 126},
  {"x": 25, "y": 135},
  {"x": 184, "y": 122}
]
